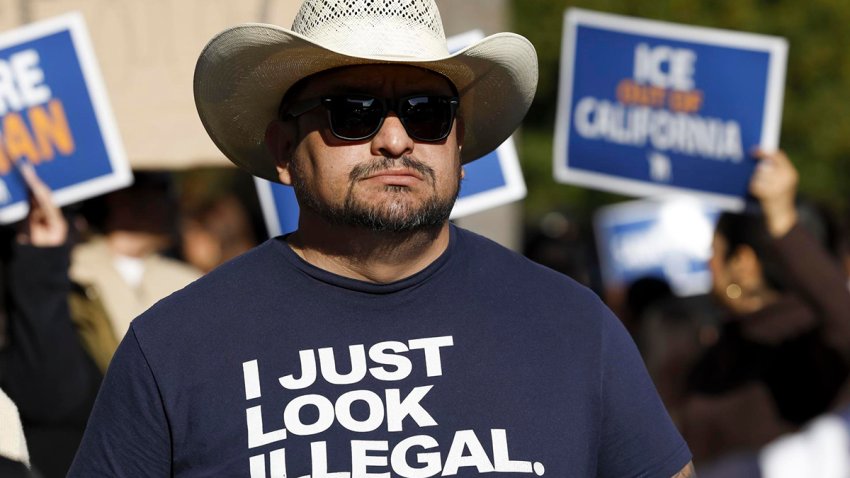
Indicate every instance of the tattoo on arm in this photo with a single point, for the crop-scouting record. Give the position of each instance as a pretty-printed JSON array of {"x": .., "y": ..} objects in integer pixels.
[{"x": 686, "y": 472}]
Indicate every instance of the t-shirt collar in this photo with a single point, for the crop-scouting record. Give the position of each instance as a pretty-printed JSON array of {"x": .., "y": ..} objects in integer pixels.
[{"x": 336, "y": 280}]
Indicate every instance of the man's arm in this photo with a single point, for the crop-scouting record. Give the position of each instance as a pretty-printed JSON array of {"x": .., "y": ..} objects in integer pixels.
[
  {"x": 812, "y": 272},
  {"x": 687, "y": 472},
  {"x": 637, "y": 437},
  {"x": 128, "y": 433}
]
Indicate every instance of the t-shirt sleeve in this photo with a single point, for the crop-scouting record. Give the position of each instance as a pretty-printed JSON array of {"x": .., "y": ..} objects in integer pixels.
[
  {"x": 127, "y": 434},
  {"x": 638, "y": 438}
]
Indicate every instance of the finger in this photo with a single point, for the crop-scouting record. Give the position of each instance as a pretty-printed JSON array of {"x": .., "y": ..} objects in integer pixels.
[
  {"x": 39, "y": 190},
  {"x": 764, "y": 165},
  {"x": 28, "y": 173},
  {"x": 41, "y": 197},
  {"x": 772, "y": 156}
]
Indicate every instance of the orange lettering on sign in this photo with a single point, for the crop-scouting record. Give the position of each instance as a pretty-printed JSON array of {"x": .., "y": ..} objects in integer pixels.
[
  {"x": 18, "y": 139},
  {"x": 685, "y": 101},
  {"x": 5, "y": 164},
  {"x": 51, "y": 129},
  {"x": 631, "y": 93},
  {"x": 50, "y": 134}
]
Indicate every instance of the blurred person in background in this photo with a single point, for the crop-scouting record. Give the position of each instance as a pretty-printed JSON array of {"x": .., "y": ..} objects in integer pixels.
[
  {"x": 557, "y": 241},
  {"x": 821, "y": 449},
  {"x": 215, "y": 232},
  {"x": 124, "y": 267},
  {"x": 14, "y": 455},
  {"x": 43, "y": 367},
  {"x": 781, "y": 356},
  {"x": 843, "y": 245},
  {"x": 671, "y": 334}
]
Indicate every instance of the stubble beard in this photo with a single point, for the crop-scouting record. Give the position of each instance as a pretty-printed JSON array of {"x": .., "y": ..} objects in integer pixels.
[{"x": 396, "y": 214}]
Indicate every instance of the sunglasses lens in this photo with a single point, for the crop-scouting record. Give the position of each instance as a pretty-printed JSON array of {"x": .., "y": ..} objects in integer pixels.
[
  {"x": 427, "y": 118},
  {"x": 355, "y": 117}
]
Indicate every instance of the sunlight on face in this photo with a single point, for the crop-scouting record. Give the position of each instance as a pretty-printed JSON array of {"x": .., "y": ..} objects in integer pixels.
[{"x": 388, "y": 182}]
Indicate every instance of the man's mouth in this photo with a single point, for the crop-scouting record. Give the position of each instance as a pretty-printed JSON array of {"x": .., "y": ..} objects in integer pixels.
[
  {"x": 396, "y": 177},
  {"x": 400, "y": 172}
]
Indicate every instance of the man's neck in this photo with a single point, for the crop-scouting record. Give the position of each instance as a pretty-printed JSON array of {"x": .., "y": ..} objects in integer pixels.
[{"x": 363, "y": 254}]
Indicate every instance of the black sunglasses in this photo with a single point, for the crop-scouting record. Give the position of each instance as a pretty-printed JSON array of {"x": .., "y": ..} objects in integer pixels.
[{"x": 359, "y": 117}]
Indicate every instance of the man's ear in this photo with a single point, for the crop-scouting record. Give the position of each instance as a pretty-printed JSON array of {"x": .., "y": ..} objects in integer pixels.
[
  {"x": 461, "y": 129},
  {"x": 280, "y": 141},
  {"x": 459, "y": 135}
]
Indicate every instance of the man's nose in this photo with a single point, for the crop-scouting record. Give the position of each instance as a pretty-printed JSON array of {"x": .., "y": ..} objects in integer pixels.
[{"x": 392, "y": 140}]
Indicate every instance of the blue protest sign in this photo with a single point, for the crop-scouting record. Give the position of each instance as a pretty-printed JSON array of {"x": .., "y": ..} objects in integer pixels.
[
  {"x": 650, "y": 108},
  {"x": 280, "y": 209},
  {"x": 54, "y": 114},
  {"x": 494, "y": 179},
  {"x": 668, "y": 240},
  {"x": 490, "y": 181}
]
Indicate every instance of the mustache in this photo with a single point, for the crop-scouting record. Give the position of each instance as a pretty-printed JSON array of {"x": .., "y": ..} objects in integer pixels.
[{"x": 364, "y": 170}]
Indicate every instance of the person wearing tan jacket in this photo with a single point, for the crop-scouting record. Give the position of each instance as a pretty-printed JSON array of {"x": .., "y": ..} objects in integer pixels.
[{"x": 123, "y": 272}]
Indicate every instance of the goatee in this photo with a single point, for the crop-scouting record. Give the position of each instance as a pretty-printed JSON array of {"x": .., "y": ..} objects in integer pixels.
[{"x": 396, "y": 215}]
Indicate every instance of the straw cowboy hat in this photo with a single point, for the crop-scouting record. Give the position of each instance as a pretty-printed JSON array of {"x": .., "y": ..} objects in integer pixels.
[{"x": 243, "y": 72}]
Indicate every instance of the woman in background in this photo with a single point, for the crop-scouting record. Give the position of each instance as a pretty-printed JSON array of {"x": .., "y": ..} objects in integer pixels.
[{"x": 782, "y": 353}]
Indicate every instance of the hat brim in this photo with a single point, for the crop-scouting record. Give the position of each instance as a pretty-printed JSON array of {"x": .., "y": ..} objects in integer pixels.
[{"x": 243, "y": 73}]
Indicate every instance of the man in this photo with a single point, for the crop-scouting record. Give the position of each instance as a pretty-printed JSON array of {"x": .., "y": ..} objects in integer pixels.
[{"x": 377, "y": 340}]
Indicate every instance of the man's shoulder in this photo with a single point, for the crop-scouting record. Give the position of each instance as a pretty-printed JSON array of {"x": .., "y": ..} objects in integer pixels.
[
  {"x": 491, "y": 257},
  {"x": 496, "y": 268},
  {"x": 234, "y": 280},
  {"x": 246, "y": 267},
  {"x": 482, "y": 248},
  {"x": 165, "y": 268}
]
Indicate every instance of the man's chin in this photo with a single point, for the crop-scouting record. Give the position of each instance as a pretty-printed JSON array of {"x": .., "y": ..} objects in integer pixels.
[
  {"x": 396, "y": 223},
  {"x": 398, "y": 215}
]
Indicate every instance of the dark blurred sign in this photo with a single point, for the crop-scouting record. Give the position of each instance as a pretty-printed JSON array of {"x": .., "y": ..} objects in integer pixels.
[
  {"x": 54, "y": 114},
  {"x": 649, "y": 108}
]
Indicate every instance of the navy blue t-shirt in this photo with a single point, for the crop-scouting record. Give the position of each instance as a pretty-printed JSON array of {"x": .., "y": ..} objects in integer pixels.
[{"x": 483, "y": 362}]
